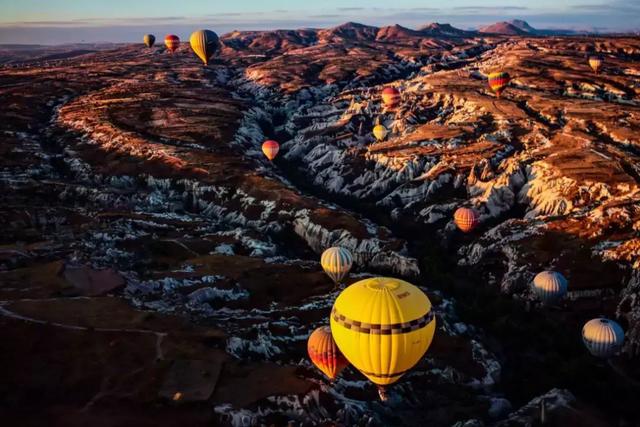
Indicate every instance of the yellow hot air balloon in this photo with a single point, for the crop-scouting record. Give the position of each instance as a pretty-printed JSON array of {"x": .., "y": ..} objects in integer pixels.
[
  {"x": 149, "y": 40},
  {"x": 383, "y": 326},
  {"x": 595, "y": 62},
  {"x": 380, "y": 132},
  {"x": 204, "y": 43}
]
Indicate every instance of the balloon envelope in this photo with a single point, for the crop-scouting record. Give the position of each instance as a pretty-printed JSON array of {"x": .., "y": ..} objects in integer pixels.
[
  {"x": 466, "y": 219},
  {"x": 380, "y": 132},
  {"x": 498, "y": 81},
  {"x": 602, "y": 337},
  {"x": 383, "y": 326},
  {"x": 172, "y": 42},
  {"x": 390, "y": 96},
  {"x": 595, "y": 62},
  {"x": 149, "y": 40},
  {"x": 270, "y": 149},
  {"x": 204, "y": 44},
  {"x": 336, "y": 262},
  {"x": 549, "y": 286},
  {"x": 324, "y": 353}
]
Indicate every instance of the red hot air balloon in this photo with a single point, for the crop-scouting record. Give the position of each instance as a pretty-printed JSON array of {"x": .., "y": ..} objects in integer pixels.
[
  {"x": 324, "y": 352},
  {"x": 498, "y": 81},
  {"x": 466, "y": 219},
  {"x": 270, "y": 149},
  {"x": 390, "y": 96},
  {"x": 172, "y": 42}
]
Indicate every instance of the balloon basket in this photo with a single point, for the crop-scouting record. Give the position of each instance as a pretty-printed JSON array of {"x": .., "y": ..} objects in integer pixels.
[{"x": 383, "y": 394}]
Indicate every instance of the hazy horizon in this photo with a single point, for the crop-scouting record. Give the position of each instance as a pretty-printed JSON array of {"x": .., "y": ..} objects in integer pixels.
[{"x": 58, "y": 22}]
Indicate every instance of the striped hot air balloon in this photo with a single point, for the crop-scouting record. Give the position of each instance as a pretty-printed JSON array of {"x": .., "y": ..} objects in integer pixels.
[
  {"x": 390, "y": 96},
  {"x": 149, "y": 40},
  {"x": 324, "y": 353},
  {"x": 498, "y": 81},
  {"x": 380, "y": 132},
  {"x": 602, "y": 337},
  {"x": 204, "y": 44},
  {"x": 383, "y": 326},
  {"x": 172, "y": 42},
  {"x": 270, "y": 149},
  {"x": 595, "y": 62},
  {"x": 466, "y": 219},
  {"x": 549, "y": 286},
  {"x": 336, "y": 262}
]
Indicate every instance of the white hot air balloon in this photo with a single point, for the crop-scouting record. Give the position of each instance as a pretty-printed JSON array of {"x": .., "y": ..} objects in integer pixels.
[
  {"x": 549, "y": 286},
  {"x": 336, "y": 262},
  {"x": 602, "y": 337}
]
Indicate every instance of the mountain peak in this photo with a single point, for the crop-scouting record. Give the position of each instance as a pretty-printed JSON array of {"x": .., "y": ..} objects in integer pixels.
[
  {"x": 438, "y": 29},
  {"x": 505, "y": 28}
]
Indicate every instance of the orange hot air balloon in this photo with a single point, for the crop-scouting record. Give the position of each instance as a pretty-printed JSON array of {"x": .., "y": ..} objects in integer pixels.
[
  {"x": 595, "y": 62},
  {"x": 324, "y": 352},
  {"x": 498, "y": 81},
  {"x": 172, "y": 42},
  {"x": 390, "y": 96},
  {"x": 270, "y": 149},
  {"x": 466, "y": 219}
]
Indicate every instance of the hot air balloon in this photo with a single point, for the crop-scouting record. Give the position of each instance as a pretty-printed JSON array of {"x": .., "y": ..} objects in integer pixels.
[
  {"x": 602, "y": 337},
  {"x": 390, "y": 96},
  {"x": 549, "y": 286},
  {"x": 466, "y": 219},
  {"x": 498, "y": 81},
  {"x": 149, "y": 40},
  {"x": 383, "y": 326},
  {"x": 172, "y": 42},
  {"x": 270, "y": 149},
  {"x": 324, "y": 353},
  {"x": 595, "y": 62},
  {"x": 336, "y": 262},
  {"x": 204, "y": 43},
  {"x": 380, "y": 132}
]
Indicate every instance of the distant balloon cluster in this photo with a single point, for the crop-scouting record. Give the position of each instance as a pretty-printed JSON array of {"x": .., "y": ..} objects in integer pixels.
[{"x": 204, "y": 43}]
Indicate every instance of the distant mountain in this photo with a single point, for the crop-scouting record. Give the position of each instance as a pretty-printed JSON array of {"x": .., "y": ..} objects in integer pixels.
[
  {"x": 395, "y": 32},
  {"x": 505, "y": 28},
  {"x": 269, "y": 41},
  {"x": 522, "y": 28},
  {"x": 351, "y": 31},
  {"x": 436, "y": 29},
  {"x": 523, "y": 25}
]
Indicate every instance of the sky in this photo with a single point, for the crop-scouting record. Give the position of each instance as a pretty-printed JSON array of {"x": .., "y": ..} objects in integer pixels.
[{"x": 71, "y": 21}]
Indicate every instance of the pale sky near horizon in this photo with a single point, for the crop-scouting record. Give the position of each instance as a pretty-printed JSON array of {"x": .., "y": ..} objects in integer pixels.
[{"x": 68, "y": 21}]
